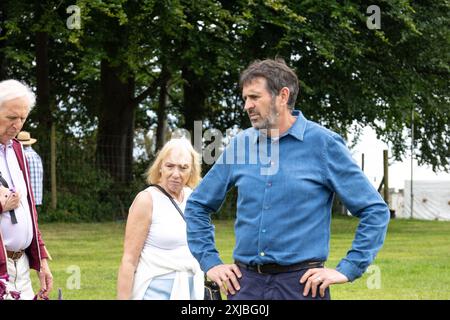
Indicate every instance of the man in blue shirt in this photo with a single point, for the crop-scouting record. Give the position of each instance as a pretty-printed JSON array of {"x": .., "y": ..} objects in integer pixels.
[{"x": 286, "y": 170}]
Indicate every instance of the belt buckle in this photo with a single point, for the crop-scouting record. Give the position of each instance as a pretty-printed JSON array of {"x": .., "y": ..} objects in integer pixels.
[
  {"x": 258, "y": 268},
  {"x": 16, "y": 255},
  {"x": 315, "y": 264}
]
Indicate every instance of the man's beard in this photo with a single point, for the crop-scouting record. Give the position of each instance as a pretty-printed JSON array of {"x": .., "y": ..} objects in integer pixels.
[{"x": 270, "y": 122}]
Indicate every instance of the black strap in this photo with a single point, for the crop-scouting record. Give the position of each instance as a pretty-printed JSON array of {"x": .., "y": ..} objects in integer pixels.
[
  {"x": 170, "y": 198},
  {"x": 12, "y": 213}
]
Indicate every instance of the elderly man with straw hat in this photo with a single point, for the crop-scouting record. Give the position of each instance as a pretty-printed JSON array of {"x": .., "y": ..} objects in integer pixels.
[{"x": 35, "y": 163}]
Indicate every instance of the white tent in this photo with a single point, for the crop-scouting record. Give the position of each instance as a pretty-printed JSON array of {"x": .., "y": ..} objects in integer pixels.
[{"x": 431, "y": 200}]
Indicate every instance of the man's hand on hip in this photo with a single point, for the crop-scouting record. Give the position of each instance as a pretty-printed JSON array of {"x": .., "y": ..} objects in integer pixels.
[
  {"x": 321, "y": 278},
  {"x": 226, "y": 276}
]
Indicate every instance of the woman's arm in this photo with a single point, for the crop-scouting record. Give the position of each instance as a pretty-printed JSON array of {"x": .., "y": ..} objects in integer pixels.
[{"x": 138, "y": 224}]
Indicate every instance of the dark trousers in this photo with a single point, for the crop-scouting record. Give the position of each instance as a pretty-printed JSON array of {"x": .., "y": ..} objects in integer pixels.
[{"x": 280, "y": 286}]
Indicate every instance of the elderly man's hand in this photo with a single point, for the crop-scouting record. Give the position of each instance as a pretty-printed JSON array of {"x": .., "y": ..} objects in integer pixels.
[
  {"x": 9, "y": 200},
  {"x": 45, "y": 278}
]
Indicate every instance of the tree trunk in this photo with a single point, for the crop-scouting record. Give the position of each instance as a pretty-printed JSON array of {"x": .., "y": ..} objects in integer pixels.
[
  {"x": 193, "y": 99},
  {"x": 116, "y": 123},
  {"x": 2, "y": 43},
  {"x": 43, "y": 103},
  {"x": 162, "y": 108},
  {"x": 2, "y": 61},
  {"x": 44, "y": 111},
  {"x": 54, "y": 191}
]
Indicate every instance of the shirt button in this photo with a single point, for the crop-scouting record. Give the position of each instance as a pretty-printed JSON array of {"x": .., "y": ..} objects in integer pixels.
[
  {"x": 266, "y": 207},
  {"x": 262, "y": 254},
  {"x": 272, "y": 163},
  {"x": 269, "y": 184},
  {"x": 263, "y": 230}
]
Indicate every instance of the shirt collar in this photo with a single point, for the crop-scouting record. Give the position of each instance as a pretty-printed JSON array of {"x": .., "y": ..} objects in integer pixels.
[
  {"x": 7, "y": 145},
  {"x": 297, "y": 130}
]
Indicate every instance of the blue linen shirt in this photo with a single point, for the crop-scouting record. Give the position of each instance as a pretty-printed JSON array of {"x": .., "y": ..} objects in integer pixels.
[{"x": 285, "y": 193}]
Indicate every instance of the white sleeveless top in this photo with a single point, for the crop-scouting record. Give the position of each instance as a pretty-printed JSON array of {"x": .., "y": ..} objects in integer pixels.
[
  {"x": 166, "y": 251},
  {"x": 168, "y": 229}
]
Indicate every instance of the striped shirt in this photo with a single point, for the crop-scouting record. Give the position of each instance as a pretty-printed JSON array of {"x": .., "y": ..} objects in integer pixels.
[{"x": 36, "y": 173}]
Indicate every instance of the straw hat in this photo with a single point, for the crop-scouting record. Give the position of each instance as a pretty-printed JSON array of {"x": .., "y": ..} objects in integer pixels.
[{"x": 25, "y": 138}]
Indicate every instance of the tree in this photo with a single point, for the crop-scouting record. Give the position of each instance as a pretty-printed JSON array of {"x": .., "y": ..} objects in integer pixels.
[
  {"x": 113, "y": 35},
  {"x": 183, "y": 58},
  {"x": 349, "y": 73}
]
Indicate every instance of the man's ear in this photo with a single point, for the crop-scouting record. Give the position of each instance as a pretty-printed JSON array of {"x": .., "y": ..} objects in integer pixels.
[{"x": 284, "y": 95}]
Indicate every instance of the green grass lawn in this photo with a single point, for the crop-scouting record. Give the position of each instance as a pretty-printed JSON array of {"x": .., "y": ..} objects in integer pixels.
[{"x": 413, "y": 264}]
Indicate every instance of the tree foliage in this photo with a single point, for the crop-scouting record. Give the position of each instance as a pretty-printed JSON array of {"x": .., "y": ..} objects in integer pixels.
[{"x": 185, "y": 57}]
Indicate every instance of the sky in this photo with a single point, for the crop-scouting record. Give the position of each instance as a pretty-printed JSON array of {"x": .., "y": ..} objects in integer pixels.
[{"x": 398, "y": 171}]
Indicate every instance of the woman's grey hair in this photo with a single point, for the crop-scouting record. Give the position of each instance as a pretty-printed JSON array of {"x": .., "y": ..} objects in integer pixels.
[
  {"x": 13, "y": 89},
  {"x": 277, "y": 74}
]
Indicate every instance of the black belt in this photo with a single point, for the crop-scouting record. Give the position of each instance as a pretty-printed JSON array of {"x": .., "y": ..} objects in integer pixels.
[{"x": 272, "y": 268}]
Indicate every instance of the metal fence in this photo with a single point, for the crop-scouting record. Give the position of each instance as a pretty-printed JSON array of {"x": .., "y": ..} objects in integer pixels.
[{"x": 86, "y": 191}]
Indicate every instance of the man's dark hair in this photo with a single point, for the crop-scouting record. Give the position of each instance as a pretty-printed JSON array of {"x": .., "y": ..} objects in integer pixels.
[{"x": 277, "y": 74}]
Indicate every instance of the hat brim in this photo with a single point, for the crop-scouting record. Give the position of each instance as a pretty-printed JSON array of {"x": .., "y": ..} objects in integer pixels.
[{"x": 28, "y": 142}]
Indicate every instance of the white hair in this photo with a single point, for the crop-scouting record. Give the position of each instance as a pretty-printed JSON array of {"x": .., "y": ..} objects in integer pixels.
[{"x": 13, "y": 89}]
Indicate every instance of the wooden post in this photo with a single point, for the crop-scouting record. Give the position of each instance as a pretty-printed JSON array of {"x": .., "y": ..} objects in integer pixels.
[
  {"x": 53, "y": 165},
  {"x": 386, "y": 177},
  {"x": 412, "y": 163}
]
